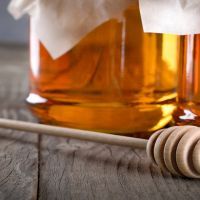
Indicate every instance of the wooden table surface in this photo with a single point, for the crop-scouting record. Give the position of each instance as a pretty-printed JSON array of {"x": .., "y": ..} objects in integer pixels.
[{"x": 49, "y": 168}]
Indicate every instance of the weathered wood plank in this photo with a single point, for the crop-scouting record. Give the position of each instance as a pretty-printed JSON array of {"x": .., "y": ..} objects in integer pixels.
[
  {"x": 72, "y": 169},
  {"x": 18, "y": 150}
]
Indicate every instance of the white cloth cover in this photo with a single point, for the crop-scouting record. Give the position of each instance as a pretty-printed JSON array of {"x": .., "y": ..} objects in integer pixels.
[
  {"x": 180, "y": 17},
  {"x": 61, "y": 24}
]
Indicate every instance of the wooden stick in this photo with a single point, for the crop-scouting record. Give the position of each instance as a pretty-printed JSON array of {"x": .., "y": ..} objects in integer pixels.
[
  {"x": 175, "y": 149},
  {"x": 73, "y": 133}
]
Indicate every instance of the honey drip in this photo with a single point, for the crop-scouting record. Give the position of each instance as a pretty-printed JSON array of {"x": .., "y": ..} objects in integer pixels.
[{"x": 116, "y": 79}]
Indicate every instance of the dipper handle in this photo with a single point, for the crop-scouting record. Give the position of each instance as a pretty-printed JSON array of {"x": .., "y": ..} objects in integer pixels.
[
  {"x": 176, "y": 149},
  {"x": 73, "y": 133}
]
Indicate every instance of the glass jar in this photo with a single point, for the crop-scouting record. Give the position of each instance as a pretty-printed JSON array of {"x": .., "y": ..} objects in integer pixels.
[
  {"x": 117, "y": 79},
  {"x": 188, "y": 109}
]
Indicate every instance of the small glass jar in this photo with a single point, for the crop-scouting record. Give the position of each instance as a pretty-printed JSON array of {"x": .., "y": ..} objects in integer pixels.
[
  {"x": 117, "y": 79},
  {"x": 188, "y": 108}
]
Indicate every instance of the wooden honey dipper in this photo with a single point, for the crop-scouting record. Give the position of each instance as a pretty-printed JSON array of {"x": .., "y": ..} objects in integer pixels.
[{"x": 176, "y": 149}]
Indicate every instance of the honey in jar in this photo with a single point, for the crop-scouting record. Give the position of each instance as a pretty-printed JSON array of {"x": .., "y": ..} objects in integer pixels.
[
  {"x": 188, "y": 101},
  {"x": 117, "y": 79}
]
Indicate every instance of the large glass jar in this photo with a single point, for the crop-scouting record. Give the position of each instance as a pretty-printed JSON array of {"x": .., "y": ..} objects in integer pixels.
[
  {"x": 117, "y": 79},
  {"x": 188, "y": 108}
]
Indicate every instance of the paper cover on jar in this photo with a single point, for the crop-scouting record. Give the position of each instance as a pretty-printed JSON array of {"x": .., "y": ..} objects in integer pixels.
[
  {"x": 171, "y": 16},
  {"x": 61, "y": 24}
]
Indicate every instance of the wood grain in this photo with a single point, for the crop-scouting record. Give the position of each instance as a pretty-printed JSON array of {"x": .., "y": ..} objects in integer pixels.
[
  {"x": 18, "y": 151},
  {"x": 71, "y": 169},
  {"x": 79, "y": 170}
]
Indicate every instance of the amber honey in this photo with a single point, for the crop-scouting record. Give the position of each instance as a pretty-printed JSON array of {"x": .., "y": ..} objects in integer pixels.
[
  {"x": 188, "y": 109},
  {"x": 117, "y": 79}
]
